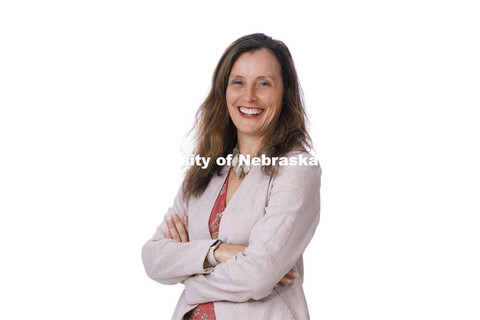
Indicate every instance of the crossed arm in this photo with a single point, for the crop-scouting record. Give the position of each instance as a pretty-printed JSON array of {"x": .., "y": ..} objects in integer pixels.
[
  {"x": 276, "y": 242},
  {"x": 178, "y": 230}
]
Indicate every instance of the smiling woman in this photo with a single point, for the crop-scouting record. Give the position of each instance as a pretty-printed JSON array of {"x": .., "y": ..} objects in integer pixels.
[
  {"x": 254, "y": 94},
  {"x": 235, "y": 234}
]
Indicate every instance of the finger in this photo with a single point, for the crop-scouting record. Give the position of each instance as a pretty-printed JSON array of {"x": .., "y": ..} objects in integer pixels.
[
  {"x": 173, "y": 230},
  {"x": 292, "y": 274},
  {"x": 185, "y": 222},
  {"x": 284, "y": 282},
  {"x": 168, "y": 235},
  {"x": 180, "y": 228}
]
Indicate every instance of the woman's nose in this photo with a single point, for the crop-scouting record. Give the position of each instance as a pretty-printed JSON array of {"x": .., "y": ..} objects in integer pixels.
[{"x": 250, "y": 93}]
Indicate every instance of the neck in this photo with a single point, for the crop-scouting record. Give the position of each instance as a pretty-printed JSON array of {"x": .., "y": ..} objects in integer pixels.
[{"x": 249, "y": 145}]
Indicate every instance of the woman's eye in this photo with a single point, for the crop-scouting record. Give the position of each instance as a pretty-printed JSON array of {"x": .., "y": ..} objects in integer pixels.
[
  {"x": 236, "y": 82},
  {"x": 264, "y": 84}
]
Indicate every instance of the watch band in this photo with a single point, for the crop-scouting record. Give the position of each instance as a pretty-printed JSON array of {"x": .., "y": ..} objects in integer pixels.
[{"x": 210, "y": 256}]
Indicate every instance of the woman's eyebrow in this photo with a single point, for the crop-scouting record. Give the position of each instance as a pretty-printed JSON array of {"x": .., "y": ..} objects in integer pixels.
[{"x": 259, "y": 77}]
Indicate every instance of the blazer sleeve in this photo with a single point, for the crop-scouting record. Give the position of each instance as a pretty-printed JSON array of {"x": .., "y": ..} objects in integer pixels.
[
  {"x": 169, "y": 261},
  {"x": 276, "y": 242}
]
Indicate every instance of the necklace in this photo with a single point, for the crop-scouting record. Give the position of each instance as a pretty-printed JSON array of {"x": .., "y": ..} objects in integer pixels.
[{"x": 241, "y": 168}]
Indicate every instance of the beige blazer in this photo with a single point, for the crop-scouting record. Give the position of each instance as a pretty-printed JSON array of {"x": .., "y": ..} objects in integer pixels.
[{"x": 275, "y": 217}]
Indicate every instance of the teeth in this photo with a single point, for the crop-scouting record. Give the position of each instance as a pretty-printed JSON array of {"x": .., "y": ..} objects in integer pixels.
[{"x": 250, "y": 111}]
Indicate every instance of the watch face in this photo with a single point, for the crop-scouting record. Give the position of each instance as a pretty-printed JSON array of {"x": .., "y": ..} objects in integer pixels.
[
  {"x": 216, "y": 244},
  {"x": 210, "y": 256}
]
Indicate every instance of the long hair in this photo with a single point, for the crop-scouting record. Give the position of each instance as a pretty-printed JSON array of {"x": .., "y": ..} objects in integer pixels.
[{"x": 215, "y": 133}]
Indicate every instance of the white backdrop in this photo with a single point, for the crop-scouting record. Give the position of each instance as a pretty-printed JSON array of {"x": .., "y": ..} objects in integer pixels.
[{"x": 97, "y": 96}]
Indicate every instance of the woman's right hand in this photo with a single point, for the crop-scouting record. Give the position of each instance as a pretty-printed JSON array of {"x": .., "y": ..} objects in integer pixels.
[
  {"x": 287, "y": 279},
  {"x": 178, "y": 230}
]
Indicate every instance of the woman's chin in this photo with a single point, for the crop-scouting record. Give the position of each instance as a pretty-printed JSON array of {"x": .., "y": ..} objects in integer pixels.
[{"x": 248, "y": 131}]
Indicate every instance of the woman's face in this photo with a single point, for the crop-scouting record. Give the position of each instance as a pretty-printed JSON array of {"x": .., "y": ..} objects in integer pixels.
[{"x": 254, "y": 92}]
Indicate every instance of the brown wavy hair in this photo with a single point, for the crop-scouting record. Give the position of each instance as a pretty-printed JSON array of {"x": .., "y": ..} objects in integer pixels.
[{"x": 215, "y": 133}]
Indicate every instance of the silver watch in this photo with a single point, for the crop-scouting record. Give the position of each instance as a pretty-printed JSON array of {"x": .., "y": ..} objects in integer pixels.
[{"x": 210, "y": 256}]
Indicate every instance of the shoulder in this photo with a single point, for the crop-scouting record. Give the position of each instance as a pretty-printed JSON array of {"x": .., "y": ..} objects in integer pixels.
[
  {"x": 297, "y": 184},
  {"x": 298, "y": 162},
  {"x": 298, "y": 169}
]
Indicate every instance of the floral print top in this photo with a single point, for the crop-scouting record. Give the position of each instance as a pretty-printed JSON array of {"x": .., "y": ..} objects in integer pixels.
[{"x": 206, "y": 311}]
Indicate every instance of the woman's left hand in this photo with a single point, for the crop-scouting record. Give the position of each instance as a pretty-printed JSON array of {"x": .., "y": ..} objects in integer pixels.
[{"x": 177, "y": 230}]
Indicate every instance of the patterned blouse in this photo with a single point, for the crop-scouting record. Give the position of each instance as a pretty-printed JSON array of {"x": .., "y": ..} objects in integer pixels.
[{"x": 206, "y": 311}]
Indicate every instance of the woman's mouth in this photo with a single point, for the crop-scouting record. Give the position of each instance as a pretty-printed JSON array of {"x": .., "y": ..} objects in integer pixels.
[{"x": 249, "y": 112}]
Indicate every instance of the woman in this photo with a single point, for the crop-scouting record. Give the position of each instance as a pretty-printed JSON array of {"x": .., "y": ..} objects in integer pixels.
[{"x": 243, "y": 258}]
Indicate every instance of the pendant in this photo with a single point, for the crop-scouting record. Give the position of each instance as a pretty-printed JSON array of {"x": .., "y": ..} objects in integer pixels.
[{"x": 240, "y": 170}]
